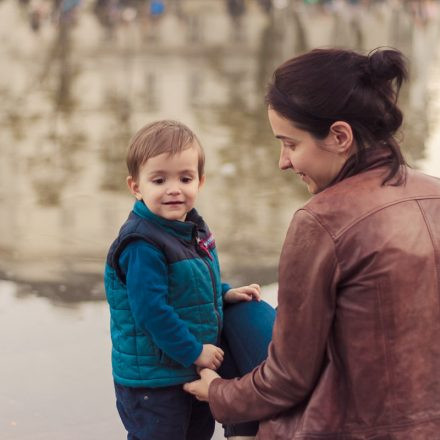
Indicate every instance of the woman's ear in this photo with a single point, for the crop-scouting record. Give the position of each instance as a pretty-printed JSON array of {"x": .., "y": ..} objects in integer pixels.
[
  {"x": 134, "y": 187},
  {"x": 341, "y": 138}
]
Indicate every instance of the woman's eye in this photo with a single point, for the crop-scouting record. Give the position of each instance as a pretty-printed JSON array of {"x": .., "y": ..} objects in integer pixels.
[{"x": 290, "y": 146}]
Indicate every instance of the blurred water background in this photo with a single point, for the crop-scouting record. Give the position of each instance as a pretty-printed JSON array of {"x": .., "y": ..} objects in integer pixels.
[{"x": 77, "y": 79}]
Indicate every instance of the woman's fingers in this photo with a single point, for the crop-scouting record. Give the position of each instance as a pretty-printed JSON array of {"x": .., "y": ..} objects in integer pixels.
[
  {"x": 190, "y": 387},
  {"x": 200, "y": 387}
]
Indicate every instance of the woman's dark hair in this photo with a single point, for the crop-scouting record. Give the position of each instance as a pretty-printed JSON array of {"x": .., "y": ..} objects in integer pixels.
[{"x": 323, "y": 86}]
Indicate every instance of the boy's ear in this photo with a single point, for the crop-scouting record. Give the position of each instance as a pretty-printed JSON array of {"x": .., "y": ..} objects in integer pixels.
[
  {"x": 134, "y": 187},
  {"x": 202, "y": 180}
]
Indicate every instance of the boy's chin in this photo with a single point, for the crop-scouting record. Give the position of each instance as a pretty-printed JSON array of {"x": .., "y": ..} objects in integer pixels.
[{"x": 178, "y": 218}]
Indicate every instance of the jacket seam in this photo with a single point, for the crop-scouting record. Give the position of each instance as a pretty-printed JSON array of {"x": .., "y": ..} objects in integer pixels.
[
  {"x": 332, "y": 237},
  {"x": 436, "y": 253},
  {"x": 316, "y": 218},
  {"x": 371, "y": 212},
  {"x": 387, "y": 352}
]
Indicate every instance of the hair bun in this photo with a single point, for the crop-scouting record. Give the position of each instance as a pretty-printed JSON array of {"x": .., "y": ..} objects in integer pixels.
[{"x": 387, "y": 65}]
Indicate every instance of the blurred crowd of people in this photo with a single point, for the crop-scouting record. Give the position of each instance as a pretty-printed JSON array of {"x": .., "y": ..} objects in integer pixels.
[{"x": 111, "y": 13}]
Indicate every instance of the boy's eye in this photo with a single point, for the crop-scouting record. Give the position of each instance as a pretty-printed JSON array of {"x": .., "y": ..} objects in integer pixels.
[
  {"x": 186, "y": 179},
  {"x": 158, "y": 181}
]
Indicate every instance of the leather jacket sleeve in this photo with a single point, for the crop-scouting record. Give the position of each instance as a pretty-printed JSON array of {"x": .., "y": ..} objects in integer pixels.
[{"x": 308, "y": 272}]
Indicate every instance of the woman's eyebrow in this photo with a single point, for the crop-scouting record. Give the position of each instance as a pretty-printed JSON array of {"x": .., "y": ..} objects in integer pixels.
[{"x": 282, "y": 137}]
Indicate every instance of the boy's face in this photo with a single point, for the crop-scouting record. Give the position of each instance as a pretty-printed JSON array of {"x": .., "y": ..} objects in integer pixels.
[{"x": 169, "y": 185}]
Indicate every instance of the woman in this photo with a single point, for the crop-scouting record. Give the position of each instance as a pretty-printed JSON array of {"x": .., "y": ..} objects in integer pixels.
[{"x": 355, "y": 352}]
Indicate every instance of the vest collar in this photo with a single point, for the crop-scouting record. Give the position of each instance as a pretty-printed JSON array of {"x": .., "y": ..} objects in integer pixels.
[{"x": 186, "y": 230}]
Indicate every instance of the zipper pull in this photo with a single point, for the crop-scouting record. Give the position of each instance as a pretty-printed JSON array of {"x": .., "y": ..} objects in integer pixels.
[{"x": 203, "y": 247}]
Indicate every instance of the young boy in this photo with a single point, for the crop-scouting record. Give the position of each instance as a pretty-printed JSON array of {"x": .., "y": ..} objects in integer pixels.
[{"x": 163, "y": 286}]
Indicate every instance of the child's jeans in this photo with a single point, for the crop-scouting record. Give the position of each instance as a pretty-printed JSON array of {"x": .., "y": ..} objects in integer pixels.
[
  {"x": 167, "y": 413},
  {"x": 247, "y": 332}
]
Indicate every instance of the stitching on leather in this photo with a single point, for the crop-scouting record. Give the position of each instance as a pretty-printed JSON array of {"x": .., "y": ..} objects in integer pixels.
[
  {"x": 336, "y": 268},
  {"x": 436, "y": 253},
  {"x": 380, "y": 208},
  {"x": 316, "y": 218},
  {"x": 386, "y": 342}
]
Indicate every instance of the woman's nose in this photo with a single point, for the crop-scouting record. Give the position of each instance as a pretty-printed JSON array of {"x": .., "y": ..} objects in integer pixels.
[{"x": 284, "y": 162}]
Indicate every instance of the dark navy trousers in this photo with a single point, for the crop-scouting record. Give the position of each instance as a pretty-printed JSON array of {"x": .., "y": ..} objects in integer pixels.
[{"x": 169, "y": 413}]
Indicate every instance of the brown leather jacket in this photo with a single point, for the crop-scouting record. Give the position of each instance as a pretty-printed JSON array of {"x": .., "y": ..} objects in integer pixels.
[{"x": 356, "y": 342}]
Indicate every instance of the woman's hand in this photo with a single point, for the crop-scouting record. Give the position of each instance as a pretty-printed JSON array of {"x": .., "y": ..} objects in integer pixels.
[
  {"x": 245, "y": 293},
  {"x": 200, "y": 388}
]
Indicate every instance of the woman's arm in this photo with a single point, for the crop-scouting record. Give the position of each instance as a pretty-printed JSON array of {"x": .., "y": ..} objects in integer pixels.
[{"x": 306, "y": 302}]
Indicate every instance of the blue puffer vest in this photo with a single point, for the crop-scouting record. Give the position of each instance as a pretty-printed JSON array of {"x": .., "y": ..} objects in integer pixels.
[{"x": 195, "y": 292}]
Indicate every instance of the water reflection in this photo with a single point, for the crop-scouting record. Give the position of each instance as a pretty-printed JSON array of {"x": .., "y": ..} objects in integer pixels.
[
  {"x": 55, "y": 365},
  {"x": 78, "y": 81}
]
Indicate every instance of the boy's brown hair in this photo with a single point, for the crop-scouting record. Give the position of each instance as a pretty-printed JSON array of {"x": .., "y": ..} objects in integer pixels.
[{"x": 159, "y": 137}]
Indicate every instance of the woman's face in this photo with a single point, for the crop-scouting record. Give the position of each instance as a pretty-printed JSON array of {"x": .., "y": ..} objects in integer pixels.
[{"x": 316, "y": 162}]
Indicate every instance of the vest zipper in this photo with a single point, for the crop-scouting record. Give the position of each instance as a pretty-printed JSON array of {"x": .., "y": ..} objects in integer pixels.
[{"x": 203, "y": 252}]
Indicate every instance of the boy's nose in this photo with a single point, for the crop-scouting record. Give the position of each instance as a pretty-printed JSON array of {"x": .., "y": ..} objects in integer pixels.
[{"x": 173, "y": 190}]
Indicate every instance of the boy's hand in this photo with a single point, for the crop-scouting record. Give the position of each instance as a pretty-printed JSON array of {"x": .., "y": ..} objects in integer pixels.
[
  {"x": 210, "y": 357},
  {"x": 245, "y": 293}
]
